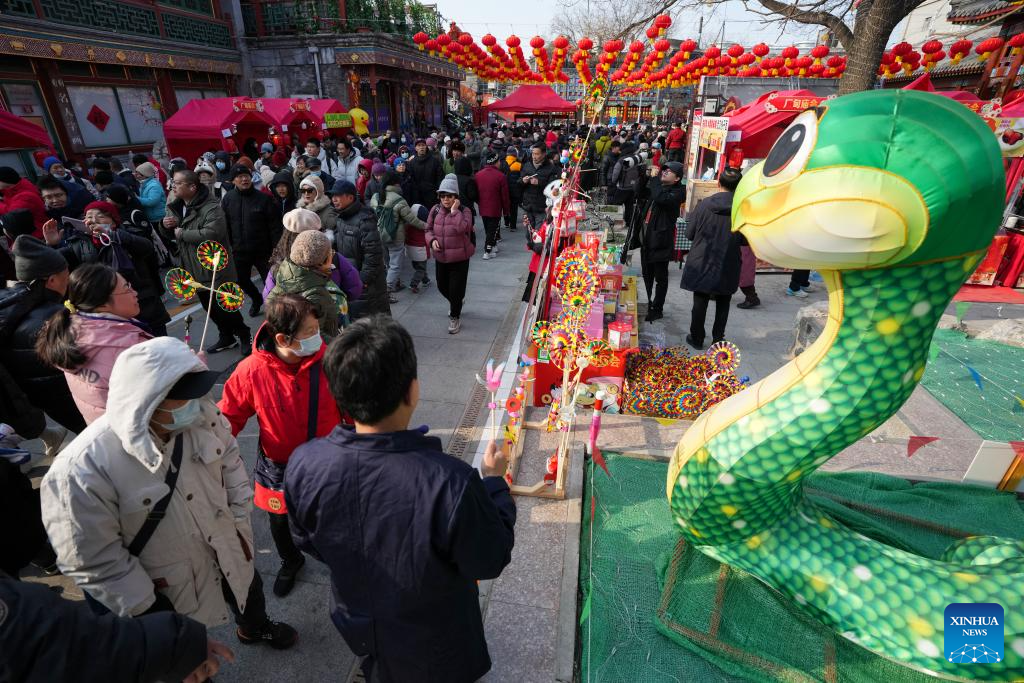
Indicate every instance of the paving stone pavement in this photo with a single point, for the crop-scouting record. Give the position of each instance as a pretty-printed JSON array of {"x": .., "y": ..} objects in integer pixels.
[{"x": 524, "y": 611}]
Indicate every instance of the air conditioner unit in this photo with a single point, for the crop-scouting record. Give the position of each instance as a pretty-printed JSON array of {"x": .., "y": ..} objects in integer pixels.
[{"x": 266, "y": 87}]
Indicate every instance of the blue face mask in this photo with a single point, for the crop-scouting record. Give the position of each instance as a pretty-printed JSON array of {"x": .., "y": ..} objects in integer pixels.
[
  {"x": 221, "y": 165},
  {"x": 309, "y": 345},
  {"x": 182, "y": 416}
]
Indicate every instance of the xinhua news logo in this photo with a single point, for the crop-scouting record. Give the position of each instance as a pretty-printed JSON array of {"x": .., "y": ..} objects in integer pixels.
[{"x": 974, "y": 633}]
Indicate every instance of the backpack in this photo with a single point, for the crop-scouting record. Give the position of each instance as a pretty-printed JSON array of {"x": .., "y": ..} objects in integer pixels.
[
  {"x": 15, "y": 304},
  {"x": 627, "y": 177},
  {"x": 387, "y": 223}
]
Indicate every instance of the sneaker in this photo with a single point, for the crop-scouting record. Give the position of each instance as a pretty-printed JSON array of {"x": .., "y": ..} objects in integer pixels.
[
  {"x": 397, "y": 287},
  {"x": 749, "y": 303},
  {"x": 494, "y": 249},
  {"x": 277, "y": 634},
  {"x": 487, "y": 256},
  {"x": 255, "y": 309},
  {"x": 800, "y": 294},
  {"x": 222, "y": 345},
  {"x": 426, "y": 282},
  {"x": 697, "y": 345},
  {"x": 454, "y": 325},
  {"x": 285, "y": 580},
  {"x": 497, "y": 238},
  {"x": 392, "y": 299},
  {"x": 808, "y": 288}
]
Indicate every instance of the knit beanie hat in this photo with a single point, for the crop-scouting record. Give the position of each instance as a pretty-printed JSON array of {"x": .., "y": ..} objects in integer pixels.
[
  {"x": 398, "y": 161},
  {"x": 378, "y": 168},
  {"x": 267, "y": 147},
  {"x": 449, "y": 184},
  {"x": 146, "y": 170},
  {"x": 301, "y": 220},
  {"x": 431, "y": 143},
  {"x": 279, "y": 158},
  {"x": 492, "y": 158},
  {"x": 310, "y": 249},
  {"x": 267, "y": 175},
  {"x": 50, "y": 161},
  {"x": 239, "y": 169},
  {"x": 17, "y": 222},
  {"x": 105, "y": 207},
  {"x": 33, "y": 260},
  {"x": 246, "y": 161}
]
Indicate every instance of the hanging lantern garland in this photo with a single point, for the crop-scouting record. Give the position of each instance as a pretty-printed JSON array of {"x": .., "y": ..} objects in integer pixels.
[{"x": 643, "y": 65}]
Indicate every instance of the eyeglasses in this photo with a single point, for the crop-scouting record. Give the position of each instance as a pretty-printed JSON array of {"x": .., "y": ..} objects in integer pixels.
[
  {"x": 446, "y": 195},
  {"x": 308, "y": 190},
  {"x": 128, "y": 289}
]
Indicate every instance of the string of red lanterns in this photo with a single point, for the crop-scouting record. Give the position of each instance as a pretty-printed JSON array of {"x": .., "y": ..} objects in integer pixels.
[{"x": 644, "y": 66}]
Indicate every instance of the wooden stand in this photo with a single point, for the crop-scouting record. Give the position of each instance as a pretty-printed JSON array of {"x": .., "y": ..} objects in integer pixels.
[{"x": 541, "y": 489}]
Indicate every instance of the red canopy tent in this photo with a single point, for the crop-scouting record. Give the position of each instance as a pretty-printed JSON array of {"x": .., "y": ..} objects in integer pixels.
[
  {"x": 292, "y": 116},
  {"x": 533, "y": 99},
  {"x": 201, "y": 125},
  {"x": 759, "y": 126},
  {"x": 17, "y": 133}
]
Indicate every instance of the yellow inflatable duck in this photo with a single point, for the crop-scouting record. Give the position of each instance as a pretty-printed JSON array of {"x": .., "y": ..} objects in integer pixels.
[{"x": 359, "y": 120}]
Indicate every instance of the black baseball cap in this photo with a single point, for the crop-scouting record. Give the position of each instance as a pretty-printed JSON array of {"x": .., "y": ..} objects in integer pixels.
[{"x": 193, "y": 385}]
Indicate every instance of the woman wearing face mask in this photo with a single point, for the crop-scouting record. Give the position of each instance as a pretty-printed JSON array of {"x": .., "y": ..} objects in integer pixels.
[
  {"x": 283, "y": 384},
  {"x": 86, "y": 337},
  {"x": 307, "y": 271}
]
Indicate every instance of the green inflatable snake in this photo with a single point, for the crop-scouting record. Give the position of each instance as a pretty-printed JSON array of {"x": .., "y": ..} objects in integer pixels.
[{"x": 894, "y": 197}]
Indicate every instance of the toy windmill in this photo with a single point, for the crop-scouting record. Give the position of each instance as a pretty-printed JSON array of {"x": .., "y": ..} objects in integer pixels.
[{"x": 184, "y": 287}]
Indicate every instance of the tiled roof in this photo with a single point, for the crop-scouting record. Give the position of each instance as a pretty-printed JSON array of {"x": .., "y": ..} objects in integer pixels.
[{"x": 966, "y": 11}]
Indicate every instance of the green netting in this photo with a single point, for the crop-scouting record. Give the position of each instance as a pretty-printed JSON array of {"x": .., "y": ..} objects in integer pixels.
[
  {"x": 993, "y": 411},
  {"x": 712, "y": 623}
]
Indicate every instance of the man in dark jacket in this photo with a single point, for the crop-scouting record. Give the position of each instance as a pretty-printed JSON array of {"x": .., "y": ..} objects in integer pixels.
[
  {"x": 512, "y": 167},
  {"x": 712, "y": 269},
  {"x": 254, "y": 226},
  {"x": 42, "y": 283},
  {"x": 426, "y": 172},
  {"x": 405, "y": 529},
  {"x": 607, "y": 164},
  {"x": 535, "y": 175},
  {"x": 358, "y": 240},
  {"x": 655, "y": 235},
  {"x": 62, "y": 199},
  {"x": 45, "y": 637},
  {"x": 192, "y": 218}
]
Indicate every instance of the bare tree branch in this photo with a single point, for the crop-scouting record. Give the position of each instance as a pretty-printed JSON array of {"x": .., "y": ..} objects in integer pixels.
[{"x": 800, "y": 15}]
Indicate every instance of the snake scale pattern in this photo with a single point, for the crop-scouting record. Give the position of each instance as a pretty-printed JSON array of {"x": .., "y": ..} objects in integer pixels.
[{"x": 894, "y": 197}]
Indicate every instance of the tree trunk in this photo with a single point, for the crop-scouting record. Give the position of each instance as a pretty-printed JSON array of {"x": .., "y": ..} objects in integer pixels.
[{"x": 870, "y": 34}]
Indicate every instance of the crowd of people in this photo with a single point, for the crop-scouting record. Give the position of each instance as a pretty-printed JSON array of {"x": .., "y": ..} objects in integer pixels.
[{"x": 147, "y": 509}]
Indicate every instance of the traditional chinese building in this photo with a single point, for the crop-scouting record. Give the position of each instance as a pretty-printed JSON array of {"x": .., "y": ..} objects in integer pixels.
[
  {"x": 101, "y": 75},
  {"x": 359, "y": 52}
]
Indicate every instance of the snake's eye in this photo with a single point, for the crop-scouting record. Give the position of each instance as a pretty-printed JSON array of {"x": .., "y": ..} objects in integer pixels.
[{"x": 789, "y": 154}]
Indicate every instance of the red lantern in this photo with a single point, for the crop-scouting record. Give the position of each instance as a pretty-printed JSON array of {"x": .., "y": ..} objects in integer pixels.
[
  {"x": 900, "y": 49},
  {"x": 1016, "y": 43},
  {"x": 465, "y": 39},
  {"x": 931, "y": 47},
  {"x": 958, "y": 49},
  {"x": 819, "y": 52},
  {"x": 652, "y": 32},
  {"x": 561, "y": 42},
  {"x": 760, "y": 51},
  {"x": 686, "y": 47},
  {"x": 636, "y": 47},
  {"x": 586, "y": 44},
  {"x": 512, "y": 41},
  {"x": 420, "y": 39},
  {"x": 663, "y": 21},
  {"x": 789, "y": 53},
  {"x": 536, "y": 42},
  {"x": 431, "y": 46},
  {"x": 489, "y": 40},
  {"x": 444, "y": 40},
  {"x": 735, "y": 157},
  {"x": 662, "y": 46},
  {"x": 712, "y": 52},
  {"x": 987, "y": 47},
  {"x": 834, "y": 61},
  {"x": 723, "y": 61},
  {"x": 735, "y": 51}
]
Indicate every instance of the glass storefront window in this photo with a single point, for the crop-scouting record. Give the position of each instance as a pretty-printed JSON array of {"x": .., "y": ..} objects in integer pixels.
[{"x": 109, "y": 117}]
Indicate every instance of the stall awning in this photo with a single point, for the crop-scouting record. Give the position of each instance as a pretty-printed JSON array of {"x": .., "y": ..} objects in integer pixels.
[
  {"x": 204, "y": 124},
  {"x": 17, "y": 133},
  {"x": 533, "y": 99},
  {"x": 760, "y": 125}
]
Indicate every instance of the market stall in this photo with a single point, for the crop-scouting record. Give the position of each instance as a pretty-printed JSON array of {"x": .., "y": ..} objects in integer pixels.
[
  {"x": 222, "y": 123},
  {"x": 302, "y": 117},
  {"x": 19, "y": 139},
  {"x": 532, "y": 100}
]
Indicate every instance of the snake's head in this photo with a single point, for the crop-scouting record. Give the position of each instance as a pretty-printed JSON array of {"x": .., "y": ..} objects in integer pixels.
[{"x": 873, "y": 180}]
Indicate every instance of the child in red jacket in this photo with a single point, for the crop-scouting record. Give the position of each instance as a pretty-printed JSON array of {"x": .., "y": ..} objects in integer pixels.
[{"x": 275, "y": 384}]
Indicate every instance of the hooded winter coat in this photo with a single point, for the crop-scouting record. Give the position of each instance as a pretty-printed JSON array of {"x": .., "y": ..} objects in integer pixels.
[
  {"x": 320, "y": 204},
  {"x": 403, "y": 213},
  {"x": 713, "y": 264},
  {"x": 111, "y": 476},
  {"x": 278, "y": 393},
  {"x": 101, "y": 337},
  {"x": 347, "y": 168},
  {"x": 406, "y": 531},
  {"x": 452, "y": 230},
  {"x": 253, "y": 222},
  {"x": 359, "y": 241},
  {"x": 283, "y": 178},
  {"x": 363, "y": 179},
  {"x": 318, "y": 289},
  {"x": 24, "y": 195},
  {"x": 153, "y": 199},
  {"x": 426, "y": 172},
  {"x": 204, "y": 220}
]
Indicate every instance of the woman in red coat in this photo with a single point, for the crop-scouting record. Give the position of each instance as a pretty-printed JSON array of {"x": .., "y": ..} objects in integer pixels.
[{"x": 275, "y": 383}]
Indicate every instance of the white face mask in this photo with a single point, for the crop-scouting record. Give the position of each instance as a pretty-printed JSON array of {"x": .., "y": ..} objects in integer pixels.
[
  {"x": 181, "y": 416},
  {"x": 309, "y": 345}
]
